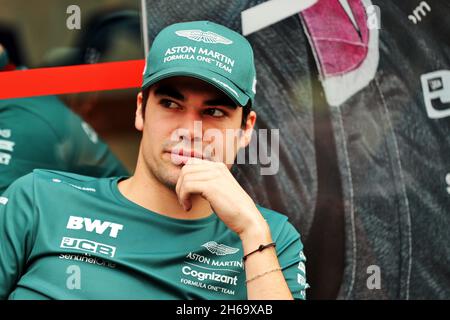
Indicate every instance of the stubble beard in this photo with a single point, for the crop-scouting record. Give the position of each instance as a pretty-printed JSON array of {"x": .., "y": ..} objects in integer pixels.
[{"x": 163, "y": 173}]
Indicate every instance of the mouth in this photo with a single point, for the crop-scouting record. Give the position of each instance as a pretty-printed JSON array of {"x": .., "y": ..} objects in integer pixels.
[{"x": 181, "y": 156}]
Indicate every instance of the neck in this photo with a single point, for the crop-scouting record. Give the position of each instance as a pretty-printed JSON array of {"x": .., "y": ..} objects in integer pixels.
[{"x": 145, "y": 190}]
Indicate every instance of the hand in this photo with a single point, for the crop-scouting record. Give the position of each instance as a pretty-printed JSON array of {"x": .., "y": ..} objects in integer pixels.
[{"x": 214, "y": 182}]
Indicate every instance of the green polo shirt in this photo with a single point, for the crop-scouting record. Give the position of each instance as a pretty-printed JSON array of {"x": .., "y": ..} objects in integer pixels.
[
  {"x": 41, "y": 132},
  {"x": 66, "y": 236}
]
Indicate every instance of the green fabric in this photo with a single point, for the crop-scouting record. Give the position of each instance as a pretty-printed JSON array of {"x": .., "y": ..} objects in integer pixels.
[
  {"x": 3, "y": 59},
  {"x": 43, "y": 133},
  {"x": 138, "y": 254},
  {"x": 204, "y": 50}
]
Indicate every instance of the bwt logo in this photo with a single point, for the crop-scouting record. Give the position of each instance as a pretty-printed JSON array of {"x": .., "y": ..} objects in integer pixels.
[
  {"x": 419, "y": 12},
  {"x": 78, "y": 223}
]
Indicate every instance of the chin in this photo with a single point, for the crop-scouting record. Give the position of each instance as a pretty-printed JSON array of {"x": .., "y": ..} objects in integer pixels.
[{"x": 168, "y": 174}]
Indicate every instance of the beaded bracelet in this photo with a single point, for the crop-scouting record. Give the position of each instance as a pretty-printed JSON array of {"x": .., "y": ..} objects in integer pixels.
[
  {"x": 262, "y": 274},
  {"x": 260, "y": 248}
]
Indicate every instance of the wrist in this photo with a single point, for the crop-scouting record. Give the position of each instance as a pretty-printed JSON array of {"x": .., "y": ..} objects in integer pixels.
[{"x": 256, "y": 232}]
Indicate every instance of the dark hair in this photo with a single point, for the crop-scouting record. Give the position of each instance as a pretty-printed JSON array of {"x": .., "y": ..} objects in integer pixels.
[
  {"x": 245, "y": 112},
  {"x": 245, "y": 109}
]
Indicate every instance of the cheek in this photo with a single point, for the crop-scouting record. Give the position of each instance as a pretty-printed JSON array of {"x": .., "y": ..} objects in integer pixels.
[
  {"x": 156, "y": 125},
  {"x": 231, "y": 149},
  {"x": 154, "y": 135},
  {"x": 225, "y": 144}
]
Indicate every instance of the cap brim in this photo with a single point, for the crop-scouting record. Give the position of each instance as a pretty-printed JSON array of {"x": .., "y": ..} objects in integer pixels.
[{"x": 215, "y": 79}]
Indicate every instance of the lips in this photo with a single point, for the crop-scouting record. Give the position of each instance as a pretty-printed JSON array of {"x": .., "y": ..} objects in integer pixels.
[
  {"x": 181, "y": 156},
  {"x": 187, "y": 153}
]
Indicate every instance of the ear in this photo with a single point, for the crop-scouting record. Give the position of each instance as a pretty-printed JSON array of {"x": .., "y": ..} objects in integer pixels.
[
  {"x": 247, "y": 130},
  {"x": 139, "y": 118}
]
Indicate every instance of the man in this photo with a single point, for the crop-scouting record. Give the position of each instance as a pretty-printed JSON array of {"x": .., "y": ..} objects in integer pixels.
[
  {"x": 181, "y": 227},
  {"x": 42, "y": 132}
]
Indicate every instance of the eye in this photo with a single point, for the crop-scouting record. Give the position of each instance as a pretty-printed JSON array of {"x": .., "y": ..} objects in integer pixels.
[
  {"x": 214, "y": 112},
  {"x": 168, "y": 104}
]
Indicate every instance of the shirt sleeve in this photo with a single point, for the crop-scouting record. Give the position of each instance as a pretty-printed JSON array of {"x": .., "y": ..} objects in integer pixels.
[
  {"x": 26, "y": 143},
  {"x": 16, "y": 232},
  {"x": 292, "y": 260},
  {"x": 90, "y": 155}
]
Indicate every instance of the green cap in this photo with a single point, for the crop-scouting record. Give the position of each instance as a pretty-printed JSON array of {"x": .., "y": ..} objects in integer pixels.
[{"x": 206, "y": 51}]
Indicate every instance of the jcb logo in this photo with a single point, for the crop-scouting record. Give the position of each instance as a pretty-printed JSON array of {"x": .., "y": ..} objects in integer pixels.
[
  {"x": 88, "y": 246},
  {"x": 78, "y": 223}
]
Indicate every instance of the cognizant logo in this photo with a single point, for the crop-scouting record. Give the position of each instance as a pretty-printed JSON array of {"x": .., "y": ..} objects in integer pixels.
[{"x": 211, "y": 276}]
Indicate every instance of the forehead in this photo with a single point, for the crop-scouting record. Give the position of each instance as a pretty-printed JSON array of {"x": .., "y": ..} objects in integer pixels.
[{"x": 190, "y": 86}]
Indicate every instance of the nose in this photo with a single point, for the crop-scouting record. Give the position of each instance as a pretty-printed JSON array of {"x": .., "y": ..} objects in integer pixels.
[{"x": 190, "y": 128}]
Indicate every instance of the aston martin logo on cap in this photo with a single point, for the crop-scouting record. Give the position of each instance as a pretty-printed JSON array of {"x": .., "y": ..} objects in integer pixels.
[
  {"x": 203, "y": 36},
  {"x": 219, "y": 249}
]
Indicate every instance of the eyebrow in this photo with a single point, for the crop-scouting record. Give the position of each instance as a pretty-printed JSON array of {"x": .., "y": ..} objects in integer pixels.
[
  {"x": 170, "y": 91},
  {"x": 222, "y": 101}
]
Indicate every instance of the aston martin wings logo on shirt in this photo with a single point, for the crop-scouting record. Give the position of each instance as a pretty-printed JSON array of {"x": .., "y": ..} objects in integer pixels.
[
  {"x": 219, "y": 249},
  {"x": 202, "y": 36}
]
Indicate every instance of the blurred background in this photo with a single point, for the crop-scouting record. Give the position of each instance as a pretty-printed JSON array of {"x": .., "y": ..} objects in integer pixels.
[{"x": 35, "y": 35}]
